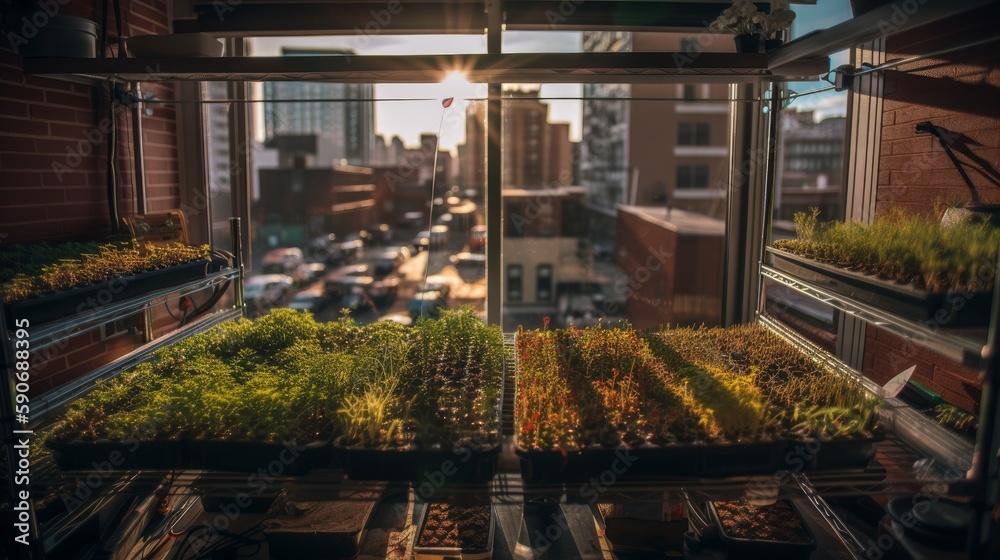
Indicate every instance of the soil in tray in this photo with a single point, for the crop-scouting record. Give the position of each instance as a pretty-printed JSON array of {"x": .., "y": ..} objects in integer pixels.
[
  {"x": 450, "y": 526},
  {"x": 776, "y": 522},
  {"x": 321, "y": 529}
]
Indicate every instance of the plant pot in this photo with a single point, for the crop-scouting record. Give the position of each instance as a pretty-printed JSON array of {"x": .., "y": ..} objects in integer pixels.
[
  {"x": 771, "y": 44},
  {"x": 60, "y": 305},
  {"x": 859, "y": 7},
  {"x": 750, "y": 548},
  {"x": 747, "y": 43},
  {"x": 650, "y": 462},
  {"x": 813, "y": 454},
  {"x": 278, "y": 459},
  {"x": 109, "y": 456},
  {"x": 461, "y": 465},
  {"x": 317, "y": 530},
  {"x": 956, "y": 309},
  {"x": 424, "y": 550},
  {"x": 58, "y": 36}
]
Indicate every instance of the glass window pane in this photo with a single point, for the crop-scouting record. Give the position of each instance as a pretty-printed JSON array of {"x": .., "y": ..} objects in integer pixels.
[
  {"x": 380, "y": 187},
  {"x": 648, "y": 171}
]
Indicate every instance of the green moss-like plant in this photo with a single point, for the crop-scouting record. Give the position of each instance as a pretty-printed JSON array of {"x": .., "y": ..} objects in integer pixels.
[
  {"x": 910, "y": 250},
  {"x": 29, "y": 272},
  {"x": 283, "y": 378}
]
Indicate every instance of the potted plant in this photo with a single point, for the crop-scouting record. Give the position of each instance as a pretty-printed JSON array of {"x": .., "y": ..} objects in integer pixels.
[
  {"x": 425, "y": 399},
  {"x": 751, "y": 27},
  {"x": 914, "y": 268},
  {"x": 44, "y": 283}
]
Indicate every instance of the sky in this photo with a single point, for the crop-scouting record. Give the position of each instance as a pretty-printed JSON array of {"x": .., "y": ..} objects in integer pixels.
[{"x": 409, "y": 118}]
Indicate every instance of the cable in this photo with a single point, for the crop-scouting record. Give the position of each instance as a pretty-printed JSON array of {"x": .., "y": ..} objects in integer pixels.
[{"x": 112, "y": 178}]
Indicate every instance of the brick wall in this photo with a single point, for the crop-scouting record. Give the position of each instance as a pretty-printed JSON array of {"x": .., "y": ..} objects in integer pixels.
[
  {"x": 53, "y": 179},
  {"x": 958, "y": 92},
  {"x": 674, "y": 269}
]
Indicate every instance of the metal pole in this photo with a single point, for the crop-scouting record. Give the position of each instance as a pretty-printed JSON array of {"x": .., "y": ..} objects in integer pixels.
[
  {"x": 137, "y": 152},
  {"x": 984, "y": 466},
  {"x": 236, "y": 233}
]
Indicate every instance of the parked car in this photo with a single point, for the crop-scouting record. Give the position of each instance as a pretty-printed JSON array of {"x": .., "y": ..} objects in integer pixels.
[
  {"x": 384, "y": 290},
  {"x": 438, "y": 283},
  {"x": 477, "y": 238},
  {"x": 288, "y": 261},
  {"x": 268, "y": 290},
  {"x": 316, "y": 270},
  {"x": 357, "y": 300},
  {"x": 469, "y": 265},
  {"x": 382, "y": 233},
  {"x": 349, "y": 250},
  {"x": 343, "y": 286},
  {"x": 308, "y": 301},
  {"x": 427, "y": 304},
  {"x": 440, "y": 235},
  {"x": 389, "y": 261},
  {"x": 401, "y": 318},
  {"x": 422, "y": 241},
  {"x": 335, "y": 282}
]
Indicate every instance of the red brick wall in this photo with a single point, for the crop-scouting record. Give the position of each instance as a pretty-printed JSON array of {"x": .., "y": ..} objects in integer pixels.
[
  {"x": 958, "y": 92},
  {"x": 673, "y": 277},
  {"x": 44, "y": 124}
]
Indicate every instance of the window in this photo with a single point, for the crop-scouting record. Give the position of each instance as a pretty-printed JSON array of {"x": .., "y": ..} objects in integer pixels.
[
  {"x": 692, "y": 176},
  {"x": 692, "y": 134},
  {"x": 514, "y": 282},
  {"x": 543, "y": 282},
  {"x": 690, "y": 91}
]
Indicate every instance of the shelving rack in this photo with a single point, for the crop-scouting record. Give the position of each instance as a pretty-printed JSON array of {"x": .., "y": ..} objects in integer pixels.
[
  {"x": 807, "y": 56},
  {"x": 50, "y": 334}
]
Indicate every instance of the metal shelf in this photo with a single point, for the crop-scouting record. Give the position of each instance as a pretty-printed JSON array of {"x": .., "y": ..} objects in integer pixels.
[
  {"x": 48, "y": 402},
  {"x": 916, "y": 429},
  {"x": 888, "y": 19},
  {"x": 54, "y": 332},
  {"x": 618, "y": 67},
  {"x": 956, "y": 344}
]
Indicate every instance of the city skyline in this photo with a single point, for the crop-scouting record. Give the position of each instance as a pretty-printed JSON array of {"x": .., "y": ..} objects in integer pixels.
[{"x": 408, "y": 110}]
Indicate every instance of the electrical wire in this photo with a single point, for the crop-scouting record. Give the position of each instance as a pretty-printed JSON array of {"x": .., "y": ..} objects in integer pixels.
[{"x": 419, "y": 99}]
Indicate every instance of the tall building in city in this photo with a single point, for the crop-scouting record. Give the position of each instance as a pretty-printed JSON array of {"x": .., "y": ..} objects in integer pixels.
[
  {"x": 647, "y": 152},
  {"x": 810, "y": 166},
  {"x": 472, "y": 154},
  {"x": 346, "y": 123},
  {"x": 536, "y": 152}
]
